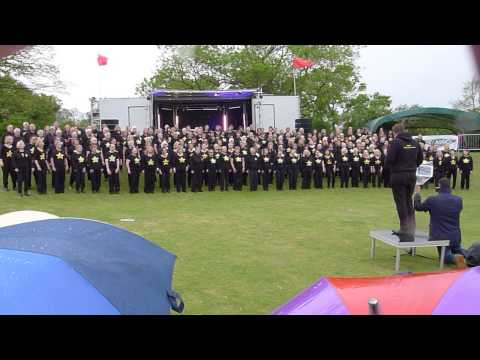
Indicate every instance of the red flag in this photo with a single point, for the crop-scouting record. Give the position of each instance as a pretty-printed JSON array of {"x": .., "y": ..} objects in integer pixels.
[
  {"x": 300, "y": 63},
  {"x": 102, "y": 60}
]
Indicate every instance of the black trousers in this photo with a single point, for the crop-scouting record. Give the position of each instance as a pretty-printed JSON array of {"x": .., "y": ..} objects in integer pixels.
[
  {"x": 197, "y": 181},
  {"x": 59, "y": 181},
  {"x": 238, "y": 180},
  {"x": 330, "y": 178},
  {"x": 180, "y": 181},
  {"x": 318, "y": 179},
  {"x": 134, "y": 178},
  {"x": 403, "y": 186},
  {"x": 114, "y": 182},
  {"x": 72, "y": 177},
  {"x": 266, "y": 175},
  {"x": 306, "y": 180},
  {"x": 465, "y": 180},
  {"x": 355, "y": 175},
  {"x": 9, "y": 170},
  {"x": 377, "y": 179},
  {"x": 223, "y": 180},
  {"x": 189, "y": 179},
  {"x": 165, "y": 181},
  {"x": 253, "y": 177},
  {"x": 386, "y": 178},
  {"x": 53, "y": 179},
  {"x": 343, "y": 177},
  {"x": 279, "y": 179},
  {"x": 292, "y": 178},
  {"x": 150, "y": 178},
  {"x": 35, "y": 177},
  {"x": 96, "y": 179},
  {"x": 366, "y": 178},
  {"x": 452, "y": 174},
  {"x": 22, "y": 180},
  {"x": 79, "y": 180},
  {"x": 41, "y": 181}
]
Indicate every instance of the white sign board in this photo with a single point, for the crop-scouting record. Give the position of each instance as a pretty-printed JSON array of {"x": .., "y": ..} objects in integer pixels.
[
  {"x": 424, "y": 172},
  {"x": 441, "y": 140}
]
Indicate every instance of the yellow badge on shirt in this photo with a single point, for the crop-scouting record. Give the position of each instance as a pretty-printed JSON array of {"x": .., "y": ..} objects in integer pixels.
[
  {"x": 466, "y": 161},
  {"x": 344, "y": 158},
  {"x": 452, "y": 162},
  {"x": 165, "y": 162},
  {"x": 137, "y": 160},
  {"x": 238, "y": 159},
  {"x": 266, "y": 159},
  {"x": 309, "y": 163},
  {"x": 59, "y": 156},
  {"x": 226, "y": 158},
  {"x": 182, "y": 160},
  {"x": 81, "y": 159},
  {"x": 150, "y": 162},
  {"x": 112, "y": 158},
  {"x": 9, "y": 153},
  {"x": 42, "y": 157},
  {"x": 95, "y": 159},
  {"x": 213, "y": 161}
]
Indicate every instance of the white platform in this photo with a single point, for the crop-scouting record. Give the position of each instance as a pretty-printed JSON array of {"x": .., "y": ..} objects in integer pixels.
[{"x": 421, "y": 240}]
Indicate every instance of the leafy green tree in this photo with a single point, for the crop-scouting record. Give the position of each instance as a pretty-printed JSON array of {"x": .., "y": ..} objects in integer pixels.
[
  {"x": 363, "y": 108},
  {"x": 325, "y": 88}
]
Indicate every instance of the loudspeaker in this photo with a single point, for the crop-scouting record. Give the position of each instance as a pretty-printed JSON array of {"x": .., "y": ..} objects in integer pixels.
[{"x": 306, "y": 124}]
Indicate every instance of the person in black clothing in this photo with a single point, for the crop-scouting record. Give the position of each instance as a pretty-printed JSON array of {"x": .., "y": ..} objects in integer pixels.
[
  {"x": 59, "y": 164},
  {"x": 252, "y": 165},
  {"x": 306, "y": 168},
  {"x": 466, "y": 167},
  {"x": 318, "y": 170},
  {"x": 22, "y": 163},
  {"x": 222, "y": 168},
  {"x": 180, "y": 170},
  {"x": 134, "y": 168},
  {"x": 164, "y": 165},
  {"x": 377, "y": 168},
  {"x": 6, "y": 163},
  {"x": 210, "y": 166},
  {"x": 355, "y": 168},
  {"x": 113, "y": 169},
  {"x": 196, "y": 168},
  {"x": 280, "y": 168},
  {"x": 404, "y": 156},
  {"x": 452, "y": 168},
  {"x": 329, "y": 165},
  {"x": 41, "y": 167},
  {"x": 149, "y": 168},
  {"x": 30, "y": 147},
  {"x": 266, "y": 168},
  {"x": 344, "y": 168},
  {"x": 292, "y": 169},
  {"x": 439, "y": 167},
  {"x": 94, "y": 162},
  {"x": 365, "y": 169},
  {"x": 237, "y": 163},
  {"x": 79, "y": 168},
  {"x": 385, "y": 170}
]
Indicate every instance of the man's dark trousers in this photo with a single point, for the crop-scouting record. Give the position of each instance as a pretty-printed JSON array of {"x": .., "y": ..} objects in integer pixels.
[{"x": 403, "y": 186}]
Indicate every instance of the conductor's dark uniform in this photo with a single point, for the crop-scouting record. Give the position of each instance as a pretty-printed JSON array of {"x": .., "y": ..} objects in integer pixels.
[{"x": 403, "y": 158}]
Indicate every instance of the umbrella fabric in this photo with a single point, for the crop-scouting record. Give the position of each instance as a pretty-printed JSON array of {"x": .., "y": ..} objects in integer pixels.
[
  {"x": 132, "y": 274},
  {"x": 449, "y": 292},
  {"x": 38, "y": 284}
]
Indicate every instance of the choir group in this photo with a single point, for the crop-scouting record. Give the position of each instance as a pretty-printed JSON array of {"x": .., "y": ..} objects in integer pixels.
[{"x": 203, "y": 157}]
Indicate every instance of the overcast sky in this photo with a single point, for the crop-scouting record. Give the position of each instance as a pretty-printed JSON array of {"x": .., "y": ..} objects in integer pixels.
[{"x": 410, "y": 74}]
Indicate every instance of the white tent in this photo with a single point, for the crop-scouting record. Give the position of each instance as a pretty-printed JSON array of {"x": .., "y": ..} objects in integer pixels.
[{"x": 19, "y": 217}]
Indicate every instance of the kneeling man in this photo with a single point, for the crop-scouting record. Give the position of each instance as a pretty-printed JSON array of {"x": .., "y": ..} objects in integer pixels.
[{"x": 444, "y": 210}]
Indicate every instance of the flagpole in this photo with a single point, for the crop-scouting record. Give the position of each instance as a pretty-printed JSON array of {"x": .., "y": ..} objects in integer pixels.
[{"x": 294, "y": 84}]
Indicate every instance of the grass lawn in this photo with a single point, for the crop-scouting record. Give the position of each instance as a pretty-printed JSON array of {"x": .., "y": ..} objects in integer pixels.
[{"x": 247, "y": 253}]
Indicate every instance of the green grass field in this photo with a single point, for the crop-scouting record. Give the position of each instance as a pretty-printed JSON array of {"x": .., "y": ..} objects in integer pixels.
[{"x": 247, "y": 253}]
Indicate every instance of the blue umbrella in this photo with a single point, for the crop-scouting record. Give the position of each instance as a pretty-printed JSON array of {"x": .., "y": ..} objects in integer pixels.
[{"x": 77, "y": 266}]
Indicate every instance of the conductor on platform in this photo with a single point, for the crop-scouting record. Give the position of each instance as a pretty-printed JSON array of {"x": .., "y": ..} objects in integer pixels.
[{"x": 403, "y": 158}]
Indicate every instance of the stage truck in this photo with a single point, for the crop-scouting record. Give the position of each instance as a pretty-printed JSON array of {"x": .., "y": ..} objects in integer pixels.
[{"x": 179, "y": 108}]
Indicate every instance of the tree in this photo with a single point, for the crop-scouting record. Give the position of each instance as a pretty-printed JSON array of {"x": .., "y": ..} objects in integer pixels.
[
  {"x": 19, "y": 104},
  {"x": 33, "y": 67},
  {"x": 325, "y": 88},
  {"x": 470, "y": 100},
  {"x": 363, "y": 108},
  {"x": 405, "y": 107}
]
